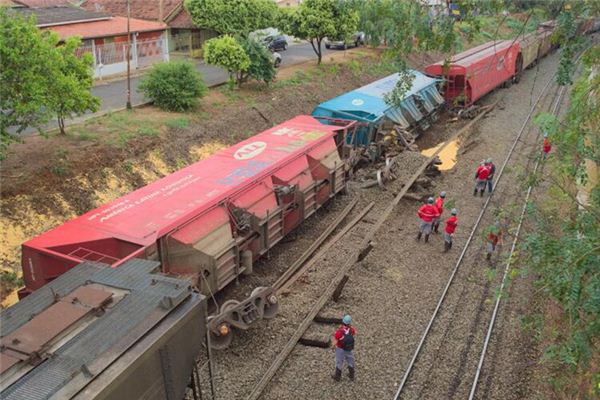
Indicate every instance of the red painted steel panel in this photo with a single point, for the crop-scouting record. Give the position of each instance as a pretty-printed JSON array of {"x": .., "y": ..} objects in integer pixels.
[
  {"x": 127, "y": 226},
  {"x": 476, "y": 72}
]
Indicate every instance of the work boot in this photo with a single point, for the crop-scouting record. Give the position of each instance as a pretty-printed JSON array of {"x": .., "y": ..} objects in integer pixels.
[
  {"x": 481, "y": 193},
  {"x": 489, "y": 256},
  {"x": 436, "y": 227},
  {"x": 351, "y": 373},
  {"x": 337, "y": 375},
  {"x": 475, "y": 192},
  {"x": 419, "y": 236},
  {"x": 450, "y": 246},
  {"x": 426, "y": 238},
  {"x": 446, "y": 247}
]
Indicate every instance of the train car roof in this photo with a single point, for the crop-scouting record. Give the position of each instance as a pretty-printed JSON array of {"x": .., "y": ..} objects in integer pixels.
[
  {"x": 143, "y": 215},
  {"x": 367, "y": 103},
  {"x": 469, "y": 57},
  {"x": 84, "y": 321}
]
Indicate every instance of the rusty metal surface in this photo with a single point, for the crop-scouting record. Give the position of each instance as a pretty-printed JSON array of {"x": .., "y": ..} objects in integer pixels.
[
  {"x": 76, "y": 362},
  {"x": 7, "y": 361}
]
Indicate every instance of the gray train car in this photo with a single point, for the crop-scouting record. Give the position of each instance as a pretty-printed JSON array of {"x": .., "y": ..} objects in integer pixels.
[{"x": 98, "y": 332}]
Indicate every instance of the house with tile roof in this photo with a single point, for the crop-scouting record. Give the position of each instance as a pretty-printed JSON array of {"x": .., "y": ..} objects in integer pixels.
[
  {"x": 184, "y": 37},
  {"x": 105, "y": 36}
]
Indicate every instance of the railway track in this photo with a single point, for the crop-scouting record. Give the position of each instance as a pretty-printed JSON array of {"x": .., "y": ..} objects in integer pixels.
[
  {"x": 359, "y": 253},
  {"x": 423, "y": 377}
]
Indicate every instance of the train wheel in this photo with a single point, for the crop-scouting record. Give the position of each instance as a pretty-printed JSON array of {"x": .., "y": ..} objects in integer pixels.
[
  {"x": 222, "y": 338},
  {"x": 271, "y": 306}
]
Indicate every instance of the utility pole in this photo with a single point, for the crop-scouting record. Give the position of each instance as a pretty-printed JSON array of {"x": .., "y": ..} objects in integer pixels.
[{"x": 128, "y": 57}]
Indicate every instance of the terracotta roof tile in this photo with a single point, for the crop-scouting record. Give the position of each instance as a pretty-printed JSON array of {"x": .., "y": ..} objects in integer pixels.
[
  {"x": 143, "y": 9},
  {"x": 115, "y": 26}
]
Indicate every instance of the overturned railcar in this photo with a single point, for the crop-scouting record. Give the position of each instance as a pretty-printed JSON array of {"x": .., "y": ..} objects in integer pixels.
[
  {"x": 209, "y": 221},
  {"x": 368, "y": 107},
  {"x": 97, "y": 332}
]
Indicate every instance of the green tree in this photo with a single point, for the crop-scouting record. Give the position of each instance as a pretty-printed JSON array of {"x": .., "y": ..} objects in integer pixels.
[
  {"x": 232, "y": 17},
  {"x": 174, "y": 86},
  {"x": 27, "y": 63},
  {"x": 315, "y": 20},
  {"x": 70, "y": 89},
  {"x": 261, "y": 61},
  {"x": 226, "y": 52}
]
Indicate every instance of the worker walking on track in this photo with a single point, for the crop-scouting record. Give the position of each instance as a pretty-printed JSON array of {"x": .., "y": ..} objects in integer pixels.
[
  {"x": 490, "y": 179},
  {"x": 546, "y": 146},
  {"x": 481, "y": 176},
  {"x": 451, "y": 224},
  {"x": 343, "y": 341},
  {"x": 439, "y": 205},
  {"x": 493, "y": 239},
  {"x": 427, "y": 213}
]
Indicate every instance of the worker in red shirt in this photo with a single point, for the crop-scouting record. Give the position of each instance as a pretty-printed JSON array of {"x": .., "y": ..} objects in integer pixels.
[
  {"x": 546, "y": 147},
  {"x": 481, "y": 176},
  {"x": 427, "y": 213},
  {"x": 493, "y": 239},
  {"x": 343, "y": 341},
  {"x": 439, "y": 205},
  {"x": 451, "y": 224}
]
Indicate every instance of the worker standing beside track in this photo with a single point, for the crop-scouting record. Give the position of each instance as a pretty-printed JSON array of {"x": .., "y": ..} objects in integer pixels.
[
  {"x": 439, "y": 205},
  {"x": 343, "y": 341},
  {"x": 481, "y": 176},
  {"x": 490, "y": 179},
  {"x": 546, "y": 146},
  {"x": 451, "y": 224},
  {"x": 427, "y": 213}
]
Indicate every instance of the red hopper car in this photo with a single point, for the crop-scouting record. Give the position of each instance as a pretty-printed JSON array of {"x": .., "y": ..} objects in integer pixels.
[
  {"x": 207, "y": 222},
  {"x": 474, "y": 73}
]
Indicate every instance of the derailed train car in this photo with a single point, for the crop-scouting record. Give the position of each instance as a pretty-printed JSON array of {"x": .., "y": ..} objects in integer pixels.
[
  {"x": 97, "y": 332},
  {"x": 474, "y": 73},
  {"x": 367, "y": 106},
  {"x": 210, "y": 221}
]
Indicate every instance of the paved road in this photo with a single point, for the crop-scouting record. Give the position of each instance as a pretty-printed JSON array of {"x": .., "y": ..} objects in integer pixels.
[{"x": 113, "y": 94}]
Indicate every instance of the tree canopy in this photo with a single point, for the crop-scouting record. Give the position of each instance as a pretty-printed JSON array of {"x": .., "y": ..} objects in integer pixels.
[
  {"x": 315, "y": 20},
  {"x": 39, "y": 78},
  {"x": 233, "y": 17},
  {"x": 27, "y": 58},
  {"x": 228, "y": 53},
  {"x": 70, "y": 89}
]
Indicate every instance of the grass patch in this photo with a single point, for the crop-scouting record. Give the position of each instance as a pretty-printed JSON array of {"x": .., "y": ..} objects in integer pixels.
[
  {"x": 59, "y": 165},
  {"x": 11, "y": 278},
  {"x": 178, "y": 123}
]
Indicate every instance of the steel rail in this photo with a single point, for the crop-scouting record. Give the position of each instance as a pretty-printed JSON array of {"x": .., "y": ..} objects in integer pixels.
[
  {"x": 353, "y": 257},
  {"x": 468, "y": 242},
  {"x": 506, "y": 269}
]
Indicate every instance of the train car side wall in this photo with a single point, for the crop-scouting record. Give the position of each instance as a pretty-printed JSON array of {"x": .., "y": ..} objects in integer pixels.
[{"x": 491, "y": 72}]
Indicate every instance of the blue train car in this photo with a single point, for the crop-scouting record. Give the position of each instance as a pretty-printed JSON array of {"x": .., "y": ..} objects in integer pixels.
[{"x": 367, "y": 106}]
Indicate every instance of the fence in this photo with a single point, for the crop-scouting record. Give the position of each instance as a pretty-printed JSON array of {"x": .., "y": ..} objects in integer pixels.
[{"x": 111, "y": 58}]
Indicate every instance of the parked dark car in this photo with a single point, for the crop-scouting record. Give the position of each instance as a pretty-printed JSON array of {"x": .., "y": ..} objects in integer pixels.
[
  {"x": 276, "y": 43},
  {"x": 354, "y": 40}
]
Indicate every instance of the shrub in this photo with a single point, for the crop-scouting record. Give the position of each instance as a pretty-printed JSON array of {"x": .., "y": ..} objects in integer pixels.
[
  {"x": 174, "y": 86},
  {"x": 261, "y": 61}
]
